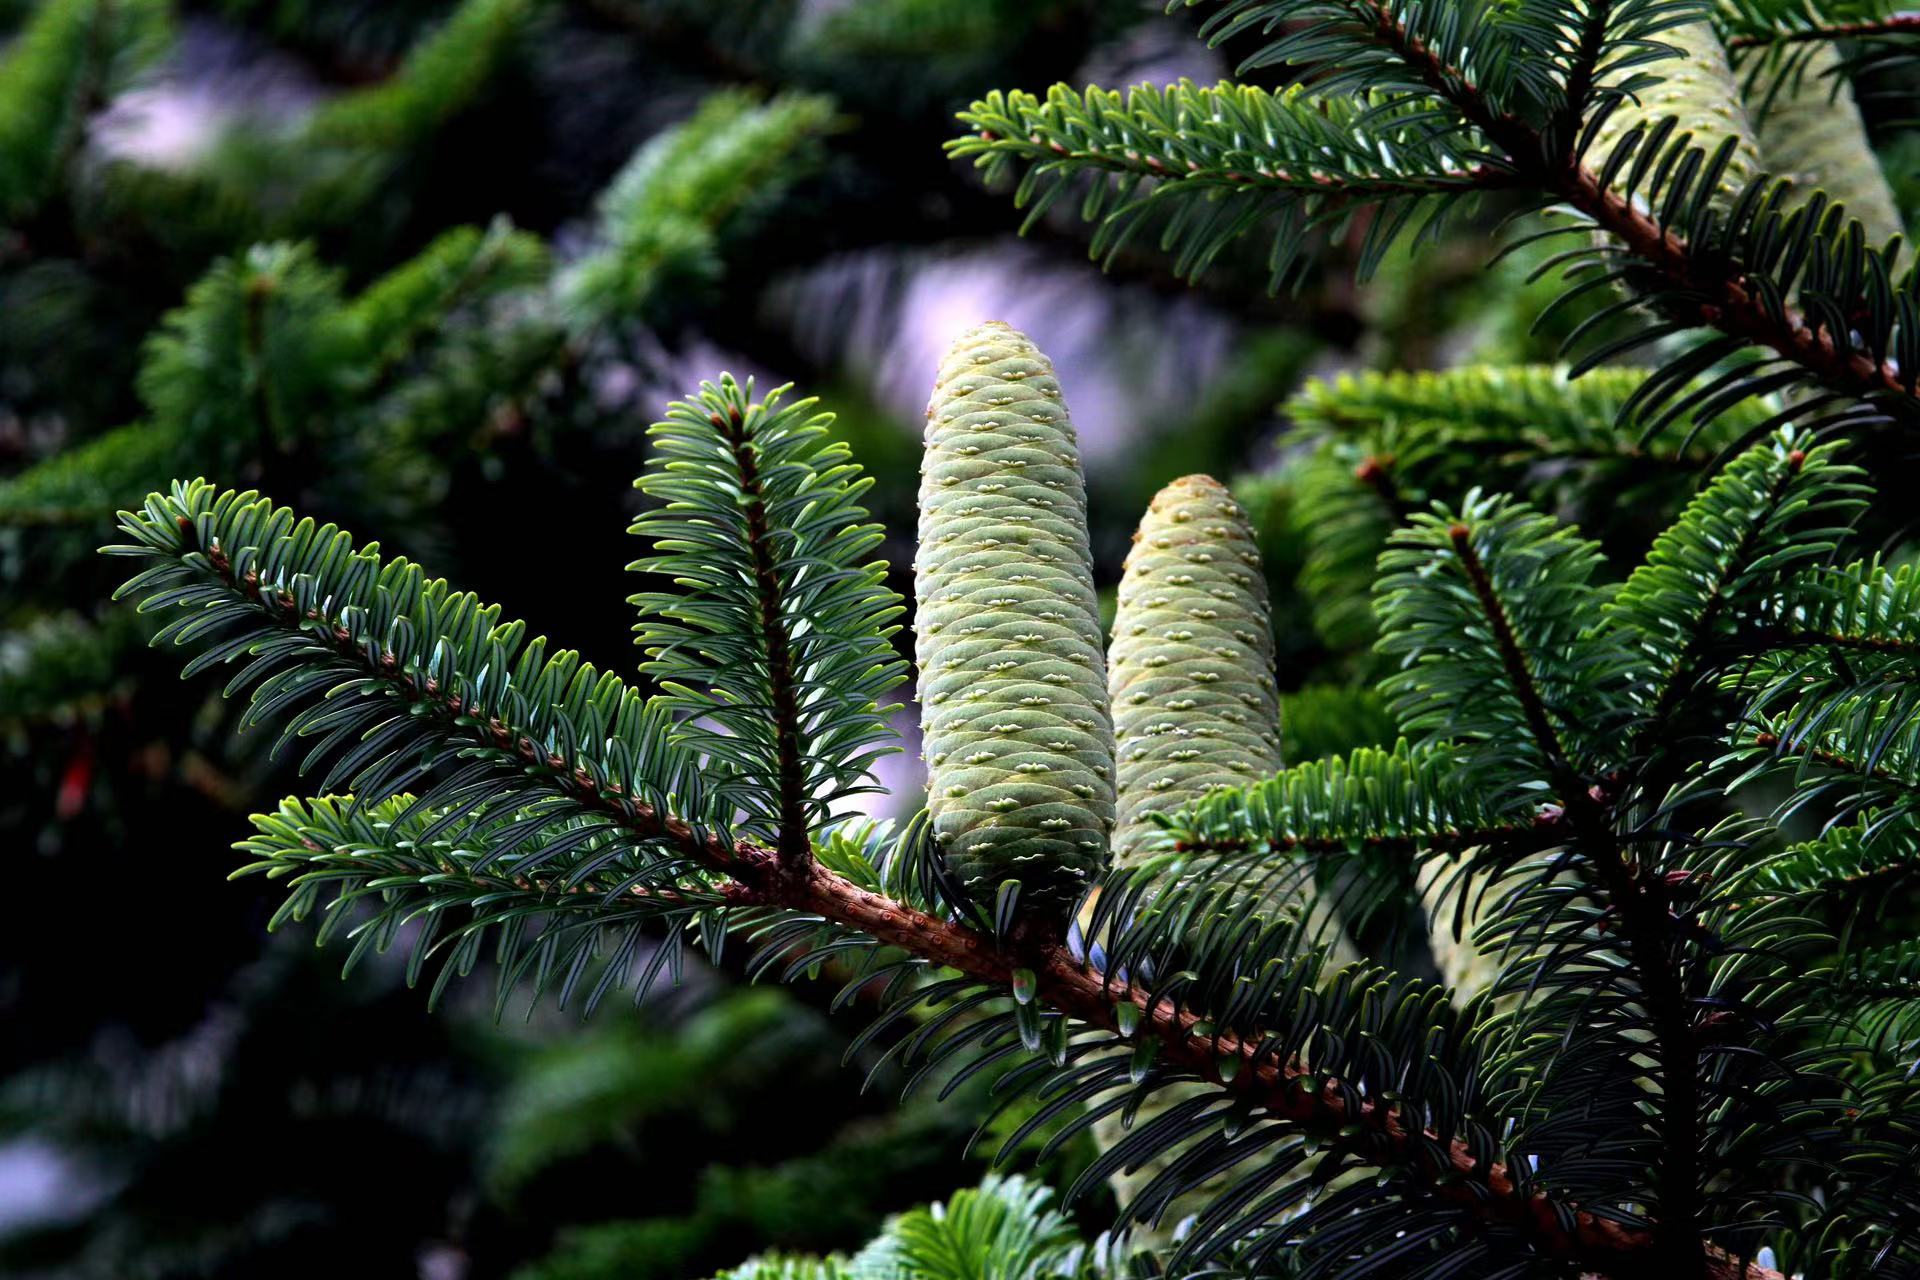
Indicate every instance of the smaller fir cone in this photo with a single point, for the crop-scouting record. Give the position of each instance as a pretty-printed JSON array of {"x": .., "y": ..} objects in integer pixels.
[
  {"x": 1699, "y": 89},
  {"x": 1815, "y": 137},
  {"x": 1464, "y": 967},
  {"x": 1194, "y": 707},
  {"x": 1013, "y": 682},
  {"x": 1191, "y": 665}
]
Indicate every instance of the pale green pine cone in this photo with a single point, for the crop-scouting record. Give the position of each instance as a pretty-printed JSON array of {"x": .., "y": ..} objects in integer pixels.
[
  {"x": 1191, "y": 664},
  {"x": 1194, "y": 703},
  {"x": 1816, "y": 138},
  {"x": 1698, "y": 88},
  {"x": 1463, "y": 966},
  {"x": 1013, "y": 682}
]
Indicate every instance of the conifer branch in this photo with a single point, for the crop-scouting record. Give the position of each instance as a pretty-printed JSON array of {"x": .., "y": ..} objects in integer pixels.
[
  {"x": 1826, "y": 757},
  {"x": 1717, "y": 294},
  {"x": 1287, "y": 1090},
  {"x": 1347, "y": 188},
  {"x": 329, "y": 619},
  {"x": 1518, "y": 835},
  {"x": 1683, "y": 668},
  {"x": 1766, "y": 639},
  {"x": 1727, "y": 301},
  {"x": 1586, "y": 60},
  {"x": 1897, "y": 24},
  {"x": 774, "y": 647},
  {"x": 1644, "y": 924},
  {"x": 781, "y": 677},
  {"x": 452, "y": 719},
  {"x": 1247, "y": 1066},
  {"x": 1202, "y": 155},
  {"x": 1514, "y": 659}
]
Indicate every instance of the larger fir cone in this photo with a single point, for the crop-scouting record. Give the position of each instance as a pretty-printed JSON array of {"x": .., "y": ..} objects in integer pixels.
[{"x": 1013, "y": 682}]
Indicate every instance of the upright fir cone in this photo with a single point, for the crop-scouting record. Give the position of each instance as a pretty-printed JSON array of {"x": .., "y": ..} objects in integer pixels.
[
  {"x": 1195, "y": 707},
  {"x": 1191, "y": 666},
  {"x": 1013, "y": 681},
  {"x": 1463, "y": 966},
  {"x": 1699, "y": 89},
  {"x": 1810, "y": 130}
]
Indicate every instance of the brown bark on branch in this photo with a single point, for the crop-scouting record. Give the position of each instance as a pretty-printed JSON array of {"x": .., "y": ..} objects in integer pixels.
[
  {"x": 1892, "y": 25},
  {"x": 1284, "y": 1090}
]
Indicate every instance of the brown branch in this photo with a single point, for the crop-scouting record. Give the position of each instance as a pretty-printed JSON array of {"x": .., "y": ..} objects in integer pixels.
[
  {"x": 1451, "y": 840},
  {"x": 1730, "y": 303},
  {"x": 1831, "y": 759},
  {"x": 1513, "y": 658},
  {"x": 1586, "y": 59},
  {"x": 1766, "y": 639},
  {"x": 1284, "y": 1090},
  {"x": 1892, "y": 25}
]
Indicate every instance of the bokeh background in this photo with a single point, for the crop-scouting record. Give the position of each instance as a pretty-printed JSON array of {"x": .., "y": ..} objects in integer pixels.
[{"x": 429, "y": 269}]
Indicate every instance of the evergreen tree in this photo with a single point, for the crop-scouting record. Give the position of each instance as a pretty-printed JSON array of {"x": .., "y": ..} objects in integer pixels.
[{"x": 1644, "y": 799}]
